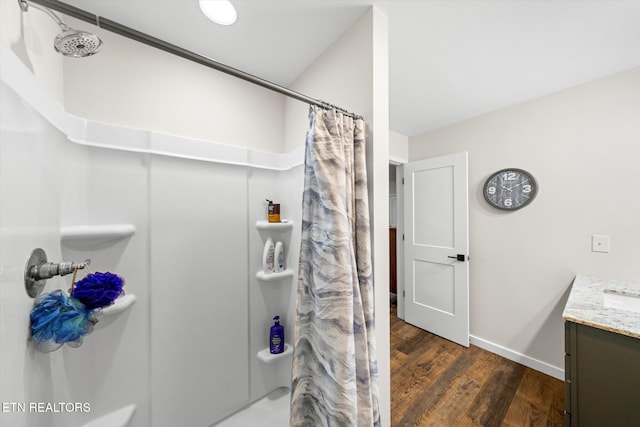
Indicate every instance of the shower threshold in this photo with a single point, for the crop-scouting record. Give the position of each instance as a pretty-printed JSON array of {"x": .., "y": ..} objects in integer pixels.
[{"x": 272, "y": 410}]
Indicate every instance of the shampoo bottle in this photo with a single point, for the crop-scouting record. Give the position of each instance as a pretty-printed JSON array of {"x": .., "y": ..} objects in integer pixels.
[
  {"x": 279, "y": 257},
  {"x": 276, "y": 337},
  {"x": 267, "y": 256}
]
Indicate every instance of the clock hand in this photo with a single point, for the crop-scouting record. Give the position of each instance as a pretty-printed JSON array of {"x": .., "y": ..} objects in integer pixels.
[{"x": 523, "y": 182}]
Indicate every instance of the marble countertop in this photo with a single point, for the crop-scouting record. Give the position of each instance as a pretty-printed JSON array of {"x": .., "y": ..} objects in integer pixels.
[{"x": 586, "y": 305}]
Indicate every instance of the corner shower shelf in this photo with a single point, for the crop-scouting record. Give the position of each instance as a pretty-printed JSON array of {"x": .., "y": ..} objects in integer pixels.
[
  {"x": 285, "y": 225},
  {"x": 274, "y": 277},
  {"x": 265, "y": 356},
  {"x": 87, "y": 235}
]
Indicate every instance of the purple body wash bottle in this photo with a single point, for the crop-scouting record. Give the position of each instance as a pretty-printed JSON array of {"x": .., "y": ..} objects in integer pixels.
[{"x": 276, "y": 337}]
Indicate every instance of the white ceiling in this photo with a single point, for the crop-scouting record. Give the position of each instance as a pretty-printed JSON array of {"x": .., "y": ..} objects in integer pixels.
[{"x": 449, "y": 59}]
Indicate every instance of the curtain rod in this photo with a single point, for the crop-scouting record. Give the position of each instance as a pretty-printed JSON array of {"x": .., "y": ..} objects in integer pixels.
[{"x": 141, "y": 37}]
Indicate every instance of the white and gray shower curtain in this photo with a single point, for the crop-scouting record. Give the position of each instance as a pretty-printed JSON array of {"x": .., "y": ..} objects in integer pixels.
[{"x": 335, "y": 374}]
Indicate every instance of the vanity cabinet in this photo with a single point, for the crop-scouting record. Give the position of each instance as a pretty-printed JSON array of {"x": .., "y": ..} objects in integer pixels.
[{"x": 602, "y": 372}]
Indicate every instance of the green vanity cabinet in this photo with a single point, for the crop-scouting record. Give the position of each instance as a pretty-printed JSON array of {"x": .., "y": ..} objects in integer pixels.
[{"x": 602, "y": 372}]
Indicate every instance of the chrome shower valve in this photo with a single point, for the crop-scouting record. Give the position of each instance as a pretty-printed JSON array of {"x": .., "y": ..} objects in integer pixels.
[{"x": 37, "y": 270}]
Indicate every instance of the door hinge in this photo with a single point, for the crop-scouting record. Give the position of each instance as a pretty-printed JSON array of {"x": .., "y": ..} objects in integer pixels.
[
  {"x": 403, "y": 237},
  {"x": 403, "y": 294},
  {"x": 402, "y": 180}
]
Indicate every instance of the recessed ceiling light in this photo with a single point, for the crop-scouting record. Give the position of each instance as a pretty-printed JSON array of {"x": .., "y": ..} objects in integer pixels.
[{"x": 219, "y": 11}]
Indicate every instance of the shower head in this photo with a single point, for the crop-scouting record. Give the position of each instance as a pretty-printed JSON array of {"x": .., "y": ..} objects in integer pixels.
[
  {"x": 76, "y": 43},
  {"x": 69, "y": 42}
]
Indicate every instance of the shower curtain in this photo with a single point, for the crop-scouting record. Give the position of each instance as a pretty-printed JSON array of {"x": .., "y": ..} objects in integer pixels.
[{"x": 335, "y": 374}]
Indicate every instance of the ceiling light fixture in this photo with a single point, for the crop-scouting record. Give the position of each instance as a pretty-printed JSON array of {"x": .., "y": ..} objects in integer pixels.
[{"x": 219, "y": 11}]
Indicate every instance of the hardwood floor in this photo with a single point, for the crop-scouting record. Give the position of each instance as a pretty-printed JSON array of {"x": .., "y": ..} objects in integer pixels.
[{"x": 435, "y": 382}]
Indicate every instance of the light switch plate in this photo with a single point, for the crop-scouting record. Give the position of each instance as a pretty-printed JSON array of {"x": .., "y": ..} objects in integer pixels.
[{"x": 599, "y": 243}]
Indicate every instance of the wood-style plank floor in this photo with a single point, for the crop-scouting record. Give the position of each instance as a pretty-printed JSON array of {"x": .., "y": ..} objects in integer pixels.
[{"x": 435, "y": 382}]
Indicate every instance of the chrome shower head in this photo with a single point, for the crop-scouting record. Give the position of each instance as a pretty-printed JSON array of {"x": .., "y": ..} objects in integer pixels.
[
  {"x": 77, "y": 44},
  {"x": 69, "y": 42}
]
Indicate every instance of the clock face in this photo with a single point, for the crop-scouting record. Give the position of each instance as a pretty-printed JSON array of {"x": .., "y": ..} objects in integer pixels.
[{"x": 510, "y": 189}]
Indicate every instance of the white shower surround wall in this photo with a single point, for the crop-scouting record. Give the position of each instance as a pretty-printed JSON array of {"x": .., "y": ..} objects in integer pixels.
[
  {"x": 201, "y": 317},
  {"x": 103, "y": 135}
]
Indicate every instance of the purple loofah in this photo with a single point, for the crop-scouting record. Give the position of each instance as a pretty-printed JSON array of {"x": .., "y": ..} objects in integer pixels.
[{"x": 98, "y": 290}]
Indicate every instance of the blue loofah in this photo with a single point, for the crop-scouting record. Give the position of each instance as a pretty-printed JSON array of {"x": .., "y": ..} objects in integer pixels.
[
  {"x": 58, "y": 319},
  {"x": 98, "y": 290}
]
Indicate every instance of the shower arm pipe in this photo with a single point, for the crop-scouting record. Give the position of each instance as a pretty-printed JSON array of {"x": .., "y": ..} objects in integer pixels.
[
  {"x": 141, "y": 37},
  {"x": 24, "y": 6}
]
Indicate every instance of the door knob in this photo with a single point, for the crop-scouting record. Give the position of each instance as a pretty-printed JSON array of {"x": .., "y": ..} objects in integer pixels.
[{"x": 459, "y": 257}]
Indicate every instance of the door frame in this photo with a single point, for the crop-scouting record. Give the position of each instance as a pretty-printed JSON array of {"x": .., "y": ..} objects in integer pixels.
[
  {"x": 400, "y": 233},
  {"x": 400, "y": 238}
]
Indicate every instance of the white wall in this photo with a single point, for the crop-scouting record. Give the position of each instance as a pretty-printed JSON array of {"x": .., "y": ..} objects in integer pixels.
[
  {"x": 134, "y": 85},
  {"x": 582, "y": 146},
  {"x": 47, "y": 183},
  {"x": 199, "y": 291},
  {"x": 398, "y": 148},
  {"x": 353, "y": 74},
  {"x": 30, "y": 37},
  {"x": 40, "y": 187},
  {"x": 99, "y": 187},
  {"x": 26, "y": 140}
]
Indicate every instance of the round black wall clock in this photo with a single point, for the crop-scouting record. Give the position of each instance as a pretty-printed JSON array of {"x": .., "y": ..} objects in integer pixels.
[{"x": 510, "y": 189}]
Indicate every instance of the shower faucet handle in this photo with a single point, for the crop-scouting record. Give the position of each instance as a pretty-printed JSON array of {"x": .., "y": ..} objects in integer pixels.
[{"x": 37, "y": 270}]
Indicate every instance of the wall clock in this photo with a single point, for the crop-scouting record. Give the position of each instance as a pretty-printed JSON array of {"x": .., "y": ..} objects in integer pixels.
[{"x": 510, "y": 189}]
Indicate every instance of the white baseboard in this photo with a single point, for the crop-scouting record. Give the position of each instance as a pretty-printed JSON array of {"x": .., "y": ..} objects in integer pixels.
[{"x": 527, "y": 361}]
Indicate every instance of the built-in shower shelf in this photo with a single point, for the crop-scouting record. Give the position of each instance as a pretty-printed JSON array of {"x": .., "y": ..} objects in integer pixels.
[
  {"x": 284, "y": 225},
  {"x": 274, "y": 277},
  {"x": 265, "y": 355},
  {"x": 119, "y": 305},
  {"x": 111, "y": 313},
  {"x": 118, "y": 418},
  {"x": 87, "y": 235}
]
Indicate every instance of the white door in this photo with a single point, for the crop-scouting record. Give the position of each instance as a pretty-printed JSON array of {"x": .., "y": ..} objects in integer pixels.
[{"x": 436, "y": 246}]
